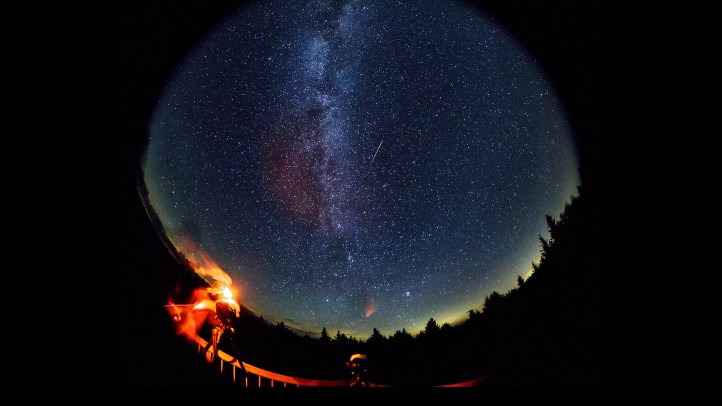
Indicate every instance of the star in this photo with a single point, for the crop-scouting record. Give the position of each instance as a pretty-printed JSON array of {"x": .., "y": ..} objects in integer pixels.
[{"x": 331, "y": 157}]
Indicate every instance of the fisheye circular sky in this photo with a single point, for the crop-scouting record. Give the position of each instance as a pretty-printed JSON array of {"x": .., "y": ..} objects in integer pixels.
[{"x": 360, "y": 164}]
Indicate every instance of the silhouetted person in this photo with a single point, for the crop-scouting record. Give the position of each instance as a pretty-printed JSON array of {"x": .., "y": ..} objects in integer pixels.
[
  {"x": 359, "y": 371},
  {"x": 227, "y": 312}
]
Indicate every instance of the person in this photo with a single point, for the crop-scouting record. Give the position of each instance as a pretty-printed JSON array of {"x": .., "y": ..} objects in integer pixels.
[
  {"x": 357, "y": 365},
  {"x": 226, "y": 313}
]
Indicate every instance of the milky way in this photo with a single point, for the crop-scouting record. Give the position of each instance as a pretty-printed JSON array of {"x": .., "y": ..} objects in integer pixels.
[{"x": 360, "y": 164}]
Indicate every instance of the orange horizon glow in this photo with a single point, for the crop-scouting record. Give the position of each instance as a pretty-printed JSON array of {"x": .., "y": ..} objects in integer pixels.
[{"x": 201, "y": 262}]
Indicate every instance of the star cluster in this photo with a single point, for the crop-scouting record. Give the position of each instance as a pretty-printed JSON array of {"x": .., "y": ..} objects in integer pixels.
[{"x": 360, "y": 164}]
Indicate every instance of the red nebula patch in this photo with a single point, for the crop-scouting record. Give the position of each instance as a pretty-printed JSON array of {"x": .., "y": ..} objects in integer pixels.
[
  {"x": 370, "y": 310},
  {"x": 294, "y": 166}
]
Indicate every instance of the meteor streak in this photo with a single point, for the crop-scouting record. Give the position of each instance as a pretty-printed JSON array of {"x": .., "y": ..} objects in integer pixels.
[{"x": 377, "y": 151}]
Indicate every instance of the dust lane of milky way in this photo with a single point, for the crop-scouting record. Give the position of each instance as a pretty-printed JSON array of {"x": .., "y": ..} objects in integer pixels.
[{"x": 360, "y": 164}]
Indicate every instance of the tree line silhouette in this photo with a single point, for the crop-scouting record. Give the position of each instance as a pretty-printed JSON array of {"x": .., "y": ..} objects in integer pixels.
[{"x": 550, "y": 329}]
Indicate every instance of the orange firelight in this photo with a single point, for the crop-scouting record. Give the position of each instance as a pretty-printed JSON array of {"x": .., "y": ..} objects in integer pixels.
[{"x": 190, "y": 318}]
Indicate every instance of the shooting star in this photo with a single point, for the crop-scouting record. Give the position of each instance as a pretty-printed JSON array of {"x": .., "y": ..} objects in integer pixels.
[{"x": 377, "y": 151}]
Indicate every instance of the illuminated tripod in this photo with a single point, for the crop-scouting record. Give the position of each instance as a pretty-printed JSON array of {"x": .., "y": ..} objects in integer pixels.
[{"x": 222, "y": 323}]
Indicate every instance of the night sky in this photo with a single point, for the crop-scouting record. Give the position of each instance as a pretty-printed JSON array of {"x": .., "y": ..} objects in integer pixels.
[{"x": 360, "y": 164}]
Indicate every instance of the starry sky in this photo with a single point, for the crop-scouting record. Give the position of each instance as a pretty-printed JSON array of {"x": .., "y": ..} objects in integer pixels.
[{"x": 360, "y": 164}]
